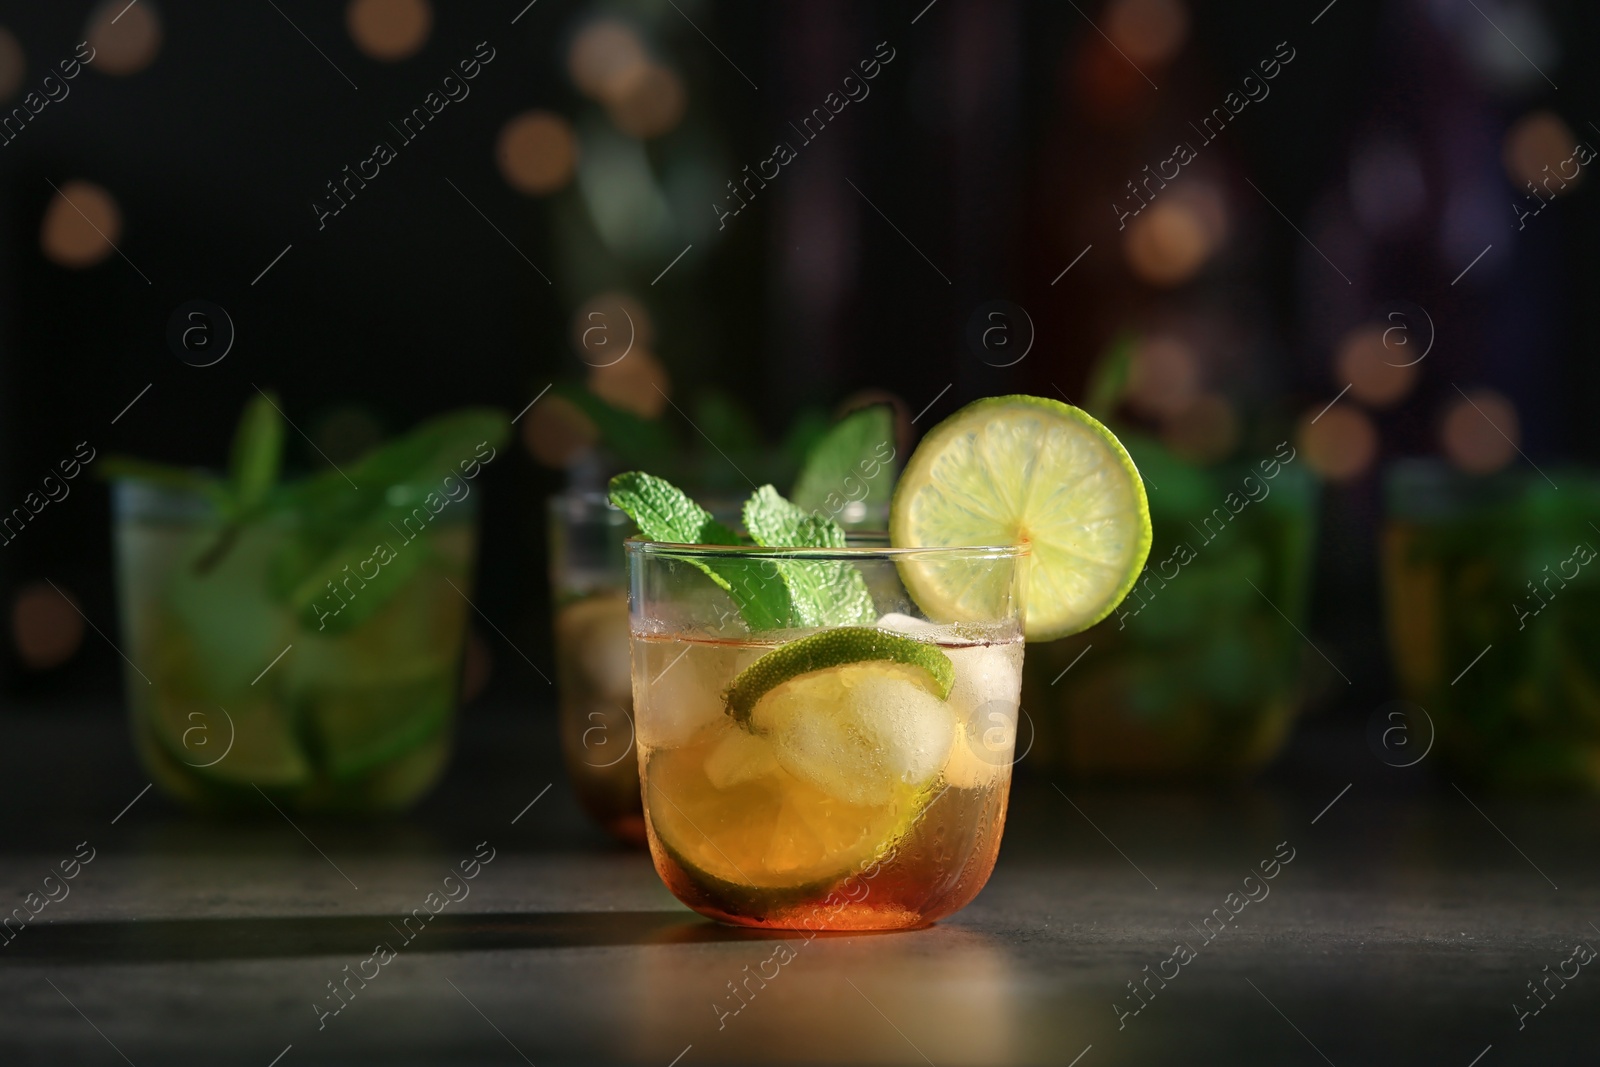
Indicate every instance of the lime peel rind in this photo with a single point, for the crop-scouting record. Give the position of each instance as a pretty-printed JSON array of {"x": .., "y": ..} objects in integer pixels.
[{"x": 835, "y": 648}]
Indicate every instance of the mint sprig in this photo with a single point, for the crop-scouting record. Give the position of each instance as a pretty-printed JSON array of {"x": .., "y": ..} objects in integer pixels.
[
  {"x": 770, "y": 593},
  {"x": 823, "y": 592},
  {"x": 253, "y": 467},
  {"x": 404, "y": 485},
  {"x": 330, "y": 531},
  {"x": 663, "y": 512}
]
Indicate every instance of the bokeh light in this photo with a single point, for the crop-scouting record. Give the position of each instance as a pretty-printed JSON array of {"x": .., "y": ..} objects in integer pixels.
[
  {"x": 389, "y": 29},
  {"x": 125, "y": 37},
  {"x": 1376, "y": 376},
  {"x": 1168, "y": 242},
  {"x": 556, "y": 432},
  {"x": 1339, "y": 443},
  {"x": 45, "y": 626},
  {"x": 605, "y": 56},
  {"x": 81, "y": 224},
  {"x": 1480, "y": 432},
  {"x": 639, "y": 384},
  {"x": 608, "y": 326},
  {"x": 1150, "y": 32},
  {"x": 1204, "y": 196},
  {"x": 537, "y": 152},
  {"x": 1204, "y": 432},
  {"x": 650, "y": 103},
  {"x": 1164, "y": 376},
  {"x": 1535, "y": 148},
  {"x": 13, "y": 64},
  {"x": 1512, "y": 50}
]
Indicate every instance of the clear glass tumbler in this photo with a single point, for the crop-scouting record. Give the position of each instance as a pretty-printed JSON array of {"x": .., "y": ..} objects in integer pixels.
[
  {"x": 852, "y": 796},
  {"x": 1493, "y": 602},
  {"x": 236, "y": 698},
  {"x": 589, "y": 585}
]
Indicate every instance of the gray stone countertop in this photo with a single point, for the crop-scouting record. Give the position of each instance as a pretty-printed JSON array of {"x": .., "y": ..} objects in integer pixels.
[{"x": 1405, "y": 930}]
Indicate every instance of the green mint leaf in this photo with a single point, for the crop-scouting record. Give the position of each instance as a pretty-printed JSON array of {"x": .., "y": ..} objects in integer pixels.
[
  {"x": 823, "y": 592},
  {"x": 346, "y": 585},
  {"x": 774, "y": 522},
  {"x": 854, "y": 460},
  {"x": 257, "y": 452},
  {"x": 456, "y": 444},
  {"x": 410, "y": 489},
  {"x": 663, "y": 512}
]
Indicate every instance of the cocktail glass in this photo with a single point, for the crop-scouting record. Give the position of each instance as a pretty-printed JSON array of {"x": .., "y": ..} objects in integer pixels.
[
  {"x": 1493, "y": 598},
  {"x": 589, "y": 587},
  {"x": 235, "y": 698},
  {"x": 850, "y": 798}
]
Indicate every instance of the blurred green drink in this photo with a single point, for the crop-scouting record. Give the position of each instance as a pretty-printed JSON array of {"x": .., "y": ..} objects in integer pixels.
[
  {"x": 1196, "y": 674},
  {"x": 1493, "y": 598},
  {"x": 301, "y": 643}
]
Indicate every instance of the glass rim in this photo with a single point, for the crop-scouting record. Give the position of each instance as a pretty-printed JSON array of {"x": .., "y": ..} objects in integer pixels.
[
  {"x": 877, "y": 547},
  {"x": 585, "y": 496}
]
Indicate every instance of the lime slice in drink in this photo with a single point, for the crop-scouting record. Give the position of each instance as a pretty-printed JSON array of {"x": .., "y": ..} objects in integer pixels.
[
  {"x": 243, "y": 741},
  {"x": 387, "y": 687},
  {"x": 359, "y": 728},
  {"x": 836, "y": 648},
  {"x": 1023, "y": 470},
  {"x": 755, "y": 837},
  {"x": 247, "y": 743},
  {"x": 834, "y": 748},
  {"x": 857, "y": 712}
]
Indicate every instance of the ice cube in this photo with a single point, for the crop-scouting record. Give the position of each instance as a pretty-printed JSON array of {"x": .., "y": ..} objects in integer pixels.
[
  {"x": 909, "y": 625},
  {"x": 986, "y": 702},
  {"x": 860, "y": 732},
  {"x": 602, "y": 647},
  {"x": 678, "y": 687}
]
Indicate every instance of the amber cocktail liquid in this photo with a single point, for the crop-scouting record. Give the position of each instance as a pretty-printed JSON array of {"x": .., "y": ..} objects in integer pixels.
[
  {"x": 597, "y": 711},
  {"x": 866, "y": 793},
  {"x": 589, "y": 579}
]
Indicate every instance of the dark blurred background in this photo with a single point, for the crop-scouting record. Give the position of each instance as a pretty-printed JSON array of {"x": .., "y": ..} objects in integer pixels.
[{"x": 1367, "y": 159}]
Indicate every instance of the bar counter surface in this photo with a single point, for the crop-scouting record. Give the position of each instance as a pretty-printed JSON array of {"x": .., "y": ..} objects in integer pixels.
[{"x": 1339, "y": 911}]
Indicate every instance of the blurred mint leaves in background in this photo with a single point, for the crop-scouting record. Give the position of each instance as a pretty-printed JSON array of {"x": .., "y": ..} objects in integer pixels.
[
  {"x": 337, "y": 518},
  {"x": 716, "y": 444}
]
